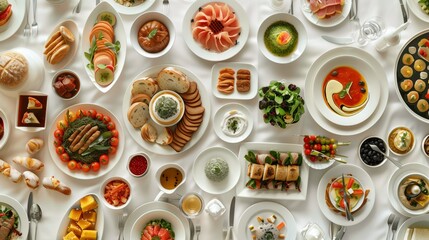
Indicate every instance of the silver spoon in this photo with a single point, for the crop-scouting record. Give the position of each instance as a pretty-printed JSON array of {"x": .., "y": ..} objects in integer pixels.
[
  {"x": 35, "y": 215},
  {"x": 394, "y": 161},
  {"x": 389, "y": 224}
]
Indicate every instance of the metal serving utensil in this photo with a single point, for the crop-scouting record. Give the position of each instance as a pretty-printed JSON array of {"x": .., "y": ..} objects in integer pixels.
[
  {"x": 393, "y": 160},
  {"x": 36, "y": 215}
]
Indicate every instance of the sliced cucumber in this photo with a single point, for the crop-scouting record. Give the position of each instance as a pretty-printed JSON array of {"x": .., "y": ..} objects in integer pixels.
[
  {"x": 104, "y": 76},
  {"x": 108, "y": 17}
]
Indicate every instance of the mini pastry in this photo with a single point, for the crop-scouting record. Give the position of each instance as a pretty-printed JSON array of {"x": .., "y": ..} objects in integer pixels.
[
  {"x": 34, "y": 145},
  {"x": 7, "y": 170},
  {"x": 31, "y": 179},
  {"x": 29, "y": 163},
  {"x": 56, "y": 185},
  {"x": 29, "y": 118},
  {"x": 33, "y": 103},
  {"x": 153, "y": 36}
]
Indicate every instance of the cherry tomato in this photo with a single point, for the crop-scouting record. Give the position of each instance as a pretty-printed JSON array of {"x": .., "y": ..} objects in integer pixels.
[
  {"x": 65, "y": 157},
  {"x": 57, "y": 142},
  {"x": 99, "y": 116},
  {"x": 104, "y": 159},
  {"x": 106, "y": 119},
  {"x": 312, "y": 137},
  {"x": 333, "y": 152},
  {"x": 307, "y": 146},
  {"x": 337, "y": 185},
  {"x": 306, "y": 139},
  {"x": 111, "y": 125},
  {"x": 114, "y": 141},
  {"x": 81, "y": 113},
  {"x": 342, "y": 204},
  {"x": 115, "y": 133},
  {"x": 112, "y": 150},
  {"x": 307, "y": 151},
  {"x": 70, "y": 116},
  {"x": 72, "y": 165},
  {"x": 313, "y": 158},
  {"x": 357, "y": 192},
  {"x": 95, "y": 166},
  {"x": 60, "y": 150},
  {"x": 58, "y": 134},
  {"x": 79, "y": 166},
  {"x": 62, "y": 125},
  {"x": 92, "y": 113},
  {"x": 85, "y": 167}
]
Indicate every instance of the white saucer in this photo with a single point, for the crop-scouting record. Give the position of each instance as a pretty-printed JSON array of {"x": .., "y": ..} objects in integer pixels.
[{"x": 219, "y": 117}]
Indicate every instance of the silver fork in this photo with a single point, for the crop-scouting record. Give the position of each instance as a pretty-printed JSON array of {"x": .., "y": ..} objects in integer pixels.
[
  {"x": 166, "y": 6},
  {"x": 291, "y": 8},
  {"x": 34, "y": 26},
  {"x": 76, "y": 9},
  {"x": 121, "y": 225},
  {"x": 27, "y": 31}
]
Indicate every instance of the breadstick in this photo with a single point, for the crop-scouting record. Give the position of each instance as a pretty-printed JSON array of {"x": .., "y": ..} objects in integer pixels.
[
  {"x": 31, "y": 179},
  {"x": 29, "y": 163},
  {"x": 34, "y": 145},
  {"x": 55, "y": 184}
]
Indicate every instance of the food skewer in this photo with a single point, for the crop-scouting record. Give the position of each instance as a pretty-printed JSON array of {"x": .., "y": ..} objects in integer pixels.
[{"x": 319, "y": 154}]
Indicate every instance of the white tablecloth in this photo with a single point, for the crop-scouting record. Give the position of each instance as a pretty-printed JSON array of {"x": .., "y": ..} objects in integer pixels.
[{"x": 55, "y": 205}]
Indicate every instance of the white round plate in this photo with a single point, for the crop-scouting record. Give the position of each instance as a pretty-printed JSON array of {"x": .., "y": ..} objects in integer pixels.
[
  {"x": 368, "y": 73},
  {"x": 394, "y": 181},
  {"x": 219, "y": 118},
  {"x": 329, "y": 22},
  {"x": 313, "y": 105},
  {"x": 317, "y": 165},
  {"x": 72, "y": 26},
  {"x": 414, "y": 6},
  {"x": 366, "y": 182},
  {"x": 196, "y": 47},
  {"x": 140, "y": 223},
  {"x": 419, "y": 221},
  {"x": 36, "y": 73},
  {"x": 265, "y": 210},
  {"x": 120, "y": 35},
  {"x": 131, "y": 10},
  {"x": 62, "y": 228},
  {"x": 151, "y": 206},
  {"x": 135, "y": 133},
  {"x": 114, "y": 159},
  {"x": 15, "y": 21},
  {"x": 208, "y": 185},
  {"x": 302, "y": 37},
  {"x": 24, "y": 224},
  {"x": 144, "y": 18},
  {"x": 6, "y": 128}
]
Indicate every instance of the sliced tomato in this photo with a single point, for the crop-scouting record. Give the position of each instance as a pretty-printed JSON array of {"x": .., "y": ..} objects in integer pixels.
[
  {"x": 337, "y": 185},
  {"x": 4, "y": 14},
  {"x": 350, "y": 183},
  {"x": 358, "y": 192},
  {"x": 149, "y": 230},
  {"x": 342, "y": 203},
  {"x": 156, "y": 229}
]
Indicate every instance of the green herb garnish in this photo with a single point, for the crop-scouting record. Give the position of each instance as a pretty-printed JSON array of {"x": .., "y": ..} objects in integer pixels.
[
  {"x": 152, "y": 33},
  {"x": 346, "y": 90},
  {"x": 166, "y": 107}
]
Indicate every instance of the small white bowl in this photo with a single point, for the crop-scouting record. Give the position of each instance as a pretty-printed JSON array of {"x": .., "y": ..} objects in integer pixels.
[
  {"x": 103, "y": 186},
  {"x": 78, "y": 84},
  {"x": 147, "y": 163},
  {"x": 144, "y": 18},
  {"x": 302, "y": 37},
  {"x": 6, "y": 128},
  {"x": 423, "y": 146},
  {"x": 170, "y": 121},
  {"x": 384, "y": 159},
  {"x": 413, "y": 137},
  {"x": 407, "y": 210}
]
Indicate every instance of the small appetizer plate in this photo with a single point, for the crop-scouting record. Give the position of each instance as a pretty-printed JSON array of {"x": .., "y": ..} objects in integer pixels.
[
  {"x": 366, "y": 181},
  {"x": 4, "y": 123},
  {"x": 162, "y": 207},
  {"x": 326, "y": 22},
  {"x": 15, "y": 21},
  {"x": 103, "y": 192},
  {"x": 393, "y": 139},
  {"x": 414, "y": 6},
  {"x": 366, "y": 154},
  {"x": 414, "y": 222},
  {"x": 140, "y": 21},
  {"x": 200, "y": 176},
  {"x": 32, "y": 108},
  {"x": 233, "y": 116},
  {"x": 302, "y": 37},
  {"x": 235, "y": 94},
  {"x": 266, "y": 210},
  {"x": 74, "y": 29},
  {"x": 23, "y": 223},
  {"x": 145, "y": 5}
]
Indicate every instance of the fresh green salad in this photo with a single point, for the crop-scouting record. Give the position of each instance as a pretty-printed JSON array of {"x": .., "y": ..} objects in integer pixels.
[
  {"x": 424, "y": 5},
  {"x": 281, "y": 104}
]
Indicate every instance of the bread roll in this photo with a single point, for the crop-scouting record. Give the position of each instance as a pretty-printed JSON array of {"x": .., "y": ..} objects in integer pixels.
[
  {"x": 13, "y": 70},
  {"x": 11, "y": 173},
  {"x": 31, "y": 179},
  {"x": 34, "y": 145},
  {"x": 30, "y": 163},
  {"x": 55, "y": 184},
  {"x": 149, "y": 133},
  {"x": 165, "y": 137}
]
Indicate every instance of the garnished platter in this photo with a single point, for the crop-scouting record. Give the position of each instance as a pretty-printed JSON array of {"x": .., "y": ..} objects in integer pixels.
[
  {"x": 312, "y": 104},
  {"x": 139, "y": 7},
  {"x": 411, "y": 75},
  {"x": 237, "y": 33},
  {"x": 22, "y": 223},
  {"x": 341, "y": 10},
  {"x": 100, "y": 145},
  {"x": 162, "y": 147},
  {"x": 288, "y": 158}
]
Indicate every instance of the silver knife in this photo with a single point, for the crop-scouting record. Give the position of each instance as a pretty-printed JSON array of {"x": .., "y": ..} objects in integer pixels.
[
  {"x": 404, "y": 11},
  {"x": 346, "y": 203},
  {"x": 29, "y": 204},
  {"x": 231, "y": 218},
  {"x": 341, "y": 233},
  {"x": 339, "y": 40}
]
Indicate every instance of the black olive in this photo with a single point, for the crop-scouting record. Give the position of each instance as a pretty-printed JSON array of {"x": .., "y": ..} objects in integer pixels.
[
  {"x": 363, "y": 90},
  {"x": 272, "y": 122},
  {"x": 192, "y": 20},
  {"x": 334, "y": 73},
  {"x": 292, "y": 87},
  {"x": 273, "y": 112},
  {"x": 361, "y": 83},
  {"x": 265, "y": 89},
  {"x": 284, "y": 105},
  {"x": 265, "y": 116},
  {"x": 282, "y": 87},
  {"x": 271, "y": 103},
  {"x": 263, "y": 104}
]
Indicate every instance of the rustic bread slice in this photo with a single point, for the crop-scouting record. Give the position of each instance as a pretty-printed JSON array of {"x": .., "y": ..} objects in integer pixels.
[
  {"x": 149, "y": 133},
  {"x": 165, "y": 137},
  {"x": 146, "y": 86},
  {"x": 138, "y": 114},
  {"x": 141, "y": 97},
  {"x": 172, "y": 79}
]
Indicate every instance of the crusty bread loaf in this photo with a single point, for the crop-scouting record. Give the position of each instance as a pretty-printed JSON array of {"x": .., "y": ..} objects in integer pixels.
[
  {"x": 149, "y": 133},
  {"x": 172, "y": 79},
  {"x": 138, "y": 114},
  {"x": 146, "y": 86},
  {"x": 165, "y": 137},
  {"x": 13, "y": 70}
]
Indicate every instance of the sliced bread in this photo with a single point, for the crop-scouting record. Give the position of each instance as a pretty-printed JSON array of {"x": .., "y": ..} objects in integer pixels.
[
  {"x": 138, "y": 114},
  {"x": 146, "y": 86},
  {"x": 149, "y": 133},
  {"x": 172, "y": 79},
  {"x": 165, "y": 137},
  {"x": 141, "y": 97}
]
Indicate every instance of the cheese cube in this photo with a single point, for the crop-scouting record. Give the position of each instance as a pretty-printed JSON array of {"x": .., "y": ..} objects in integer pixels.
[
  {"x": 75, "y": 214},
  {"x": 88, "y": 203},
  {"x": 70, "y": 236},
  {"x": 90, "y": 216},
  {"x": 88, "y": 235},
  {"x": 73, "y": 227},
  {"x": 83, "y": 224}
]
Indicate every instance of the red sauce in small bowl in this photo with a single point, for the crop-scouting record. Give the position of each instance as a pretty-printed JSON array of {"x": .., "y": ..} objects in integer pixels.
[{"x": 138, "y": 165}]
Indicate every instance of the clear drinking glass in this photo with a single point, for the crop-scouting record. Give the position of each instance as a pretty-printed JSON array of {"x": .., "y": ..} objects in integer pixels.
[
  {"x": 277, "y": 4},
  {"x": 371, "y": 29},
  {"x": 191, "y": 204}
]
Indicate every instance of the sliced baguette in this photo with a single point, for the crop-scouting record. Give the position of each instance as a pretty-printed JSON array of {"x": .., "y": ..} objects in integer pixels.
[
  {"x": 146, "y": 86},
  {"x": 165, "y": 137},
  {"x": 141, "y": 97},
  {"x": 138, "y": 114},
  {"x": 172, "y": 79},
  {"x": 149, "y": 133}
]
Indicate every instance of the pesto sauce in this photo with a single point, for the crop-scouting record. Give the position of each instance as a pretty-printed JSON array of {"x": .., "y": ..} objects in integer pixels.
[
  {"x": 166, "y": 107},
  {"x": 271, "y": 34}
]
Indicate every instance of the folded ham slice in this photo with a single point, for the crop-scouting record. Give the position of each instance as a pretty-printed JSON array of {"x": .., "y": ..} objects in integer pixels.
[{"x": 326, "y": 8}]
